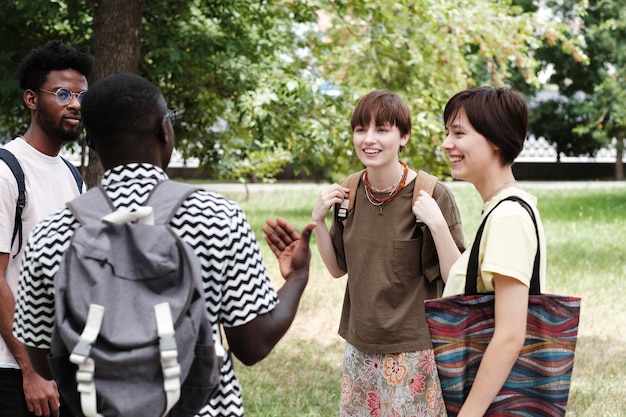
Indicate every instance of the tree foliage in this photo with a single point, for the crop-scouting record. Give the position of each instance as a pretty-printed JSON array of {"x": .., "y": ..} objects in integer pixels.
[
  {"x": 598, "y": 119},
  {"x": 249, "y": 79}
]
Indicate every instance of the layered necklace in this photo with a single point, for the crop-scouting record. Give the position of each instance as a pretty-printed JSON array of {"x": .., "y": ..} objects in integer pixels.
[{"x": 393, "y": 190}]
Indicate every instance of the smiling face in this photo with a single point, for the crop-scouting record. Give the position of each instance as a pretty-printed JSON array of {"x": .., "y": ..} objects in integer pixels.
[
  {"x": 381, "y": 127},
  {"x": 378, "y": 146},
  {"x": 60, "y": 122},
  {"x": 472, "y": 156}
]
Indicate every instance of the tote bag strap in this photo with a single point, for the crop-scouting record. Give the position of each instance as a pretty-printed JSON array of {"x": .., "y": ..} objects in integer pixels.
[{"x": 471, "y": 278}]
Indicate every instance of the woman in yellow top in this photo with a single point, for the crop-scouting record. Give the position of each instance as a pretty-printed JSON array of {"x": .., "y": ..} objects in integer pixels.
[{"x": 485, "y": 131}]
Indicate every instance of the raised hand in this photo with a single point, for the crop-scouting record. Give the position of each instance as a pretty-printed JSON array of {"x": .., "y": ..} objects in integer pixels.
[{"x": 290, "y": 247}]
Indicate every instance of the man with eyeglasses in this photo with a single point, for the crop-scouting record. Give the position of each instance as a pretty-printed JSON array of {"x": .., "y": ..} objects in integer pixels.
[{"x": 54, "y": 80}]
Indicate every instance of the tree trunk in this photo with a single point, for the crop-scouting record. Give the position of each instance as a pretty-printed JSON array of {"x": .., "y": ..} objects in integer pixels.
[
  {"x": 116, "y": 48},
  {"x": 619, "y": 158}
]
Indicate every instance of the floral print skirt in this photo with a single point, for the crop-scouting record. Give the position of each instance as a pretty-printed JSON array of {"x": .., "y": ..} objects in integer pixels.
[{"x": 390, "y": 385}]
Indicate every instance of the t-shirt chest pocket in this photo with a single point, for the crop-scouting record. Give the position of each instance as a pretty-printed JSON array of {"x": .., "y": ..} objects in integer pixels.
[{"x": 406, "y": 258}]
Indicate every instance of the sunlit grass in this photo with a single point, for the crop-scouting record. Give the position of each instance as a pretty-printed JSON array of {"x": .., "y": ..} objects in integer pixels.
[{"x": 585, "y": 231}]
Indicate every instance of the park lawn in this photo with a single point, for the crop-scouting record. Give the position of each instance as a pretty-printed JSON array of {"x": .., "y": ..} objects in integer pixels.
[{"x": 585, "y": 227}]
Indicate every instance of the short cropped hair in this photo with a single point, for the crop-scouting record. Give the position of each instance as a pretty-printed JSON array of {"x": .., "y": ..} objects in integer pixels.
[
  {"x": 386, "y": 108},
  {"x": 121, "y": 107},
  {"x": 499, "y": 114},
  {"x": 54, "y": 56}
]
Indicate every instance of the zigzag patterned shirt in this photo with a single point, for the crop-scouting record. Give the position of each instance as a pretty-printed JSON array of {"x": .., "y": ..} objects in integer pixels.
[{"x": 236, "y": 284}]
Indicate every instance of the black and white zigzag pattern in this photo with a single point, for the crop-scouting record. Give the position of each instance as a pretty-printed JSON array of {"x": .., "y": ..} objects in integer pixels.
[{"x": 236, "y": 284}]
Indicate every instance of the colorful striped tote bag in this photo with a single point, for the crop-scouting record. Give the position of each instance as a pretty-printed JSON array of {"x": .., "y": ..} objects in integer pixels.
[{"x": 462, "y": 326}]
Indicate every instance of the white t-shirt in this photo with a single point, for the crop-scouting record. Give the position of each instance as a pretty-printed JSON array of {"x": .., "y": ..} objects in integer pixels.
[
  {"x": 507, "y": 247},
  {"x": 49, "y": 185}
]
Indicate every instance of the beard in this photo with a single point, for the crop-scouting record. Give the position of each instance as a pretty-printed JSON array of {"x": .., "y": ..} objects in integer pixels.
[
  {"x": 56, "y": 128},
  {"x": 66, "y": 135}
]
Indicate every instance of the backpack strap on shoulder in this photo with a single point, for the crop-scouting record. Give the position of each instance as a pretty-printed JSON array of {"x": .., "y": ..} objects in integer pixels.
[
  {"x": 77, "y": 177},
  {"x": 16, "y": 169},
  {"x": 167, "y": 197},
  {"x": 91, "y": 206},
  {"x": 351, "y": 182},
  {"x": 18, "y": 173},
  {"x": 424, "y": 181}
]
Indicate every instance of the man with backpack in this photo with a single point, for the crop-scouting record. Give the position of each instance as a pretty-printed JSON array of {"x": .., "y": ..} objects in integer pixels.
[
  {"x": 129, "y": 126},
  {"x": 34, "y": 182}
]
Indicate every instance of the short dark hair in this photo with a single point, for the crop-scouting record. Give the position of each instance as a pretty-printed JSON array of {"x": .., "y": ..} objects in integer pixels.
[
  {"x": 54, "y": 56},
  {"x": 387, "y": 108},
  {"x": 499, "y": 114},
  {"x": 121, "y": 107}
]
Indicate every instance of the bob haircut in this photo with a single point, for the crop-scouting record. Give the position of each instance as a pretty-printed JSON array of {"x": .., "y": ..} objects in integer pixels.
[
  {"x": 386, "y": 108},
  {"x": 499, "y": 114}
]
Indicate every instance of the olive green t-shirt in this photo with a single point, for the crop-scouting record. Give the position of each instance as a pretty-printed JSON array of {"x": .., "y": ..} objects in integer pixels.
[{"x": 392, "y": 268}]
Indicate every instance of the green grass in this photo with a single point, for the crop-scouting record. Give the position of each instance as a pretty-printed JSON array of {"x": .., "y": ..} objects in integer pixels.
[{"x": 585, "y": 230}]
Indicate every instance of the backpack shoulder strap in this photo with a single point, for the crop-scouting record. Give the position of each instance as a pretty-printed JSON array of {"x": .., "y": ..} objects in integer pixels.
[
  {"x": 77, "y": 177},
  {"x": 352, "y": 182},
  {"x": 166, "y": 198},
  {"x": 91, "y": 206},
  {"x": 16, "y": 169},
  {"x": 424, "y": 181}
]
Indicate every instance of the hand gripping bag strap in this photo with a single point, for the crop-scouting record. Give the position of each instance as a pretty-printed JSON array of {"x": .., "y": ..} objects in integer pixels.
[
  {"x": 423, "y": 181},
  {"x": 16, "y": 169},
  {"x": 351, "y": 182}
]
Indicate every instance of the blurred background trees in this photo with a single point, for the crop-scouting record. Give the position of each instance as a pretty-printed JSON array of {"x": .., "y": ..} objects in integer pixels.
[{"x": 258, "y": 85}]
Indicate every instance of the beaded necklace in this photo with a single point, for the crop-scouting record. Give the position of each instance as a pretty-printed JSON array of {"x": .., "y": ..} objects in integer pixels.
[
  {"x": 380, "y": 202},
  {"x": 388, "y": 189}
]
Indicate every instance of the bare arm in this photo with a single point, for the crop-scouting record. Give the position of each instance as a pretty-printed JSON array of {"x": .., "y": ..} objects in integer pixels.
[
  {"x": 254, "y": 340},
  {"x": 511, "y": 307},
  {"x": 331, "y": 195},
  {"x": 42, "y": 396},
  {"x": 39, "y": 360},
  {"x": 427, "y": 210}
]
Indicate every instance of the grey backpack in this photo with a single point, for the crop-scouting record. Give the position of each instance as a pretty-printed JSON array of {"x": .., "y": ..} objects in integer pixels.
[{"x": 132, "y": 336}]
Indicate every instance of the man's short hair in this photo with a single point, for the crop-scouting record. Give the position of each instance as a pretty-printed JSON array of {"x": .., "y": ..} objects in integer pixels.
[
  {"x": 54, "y": 56},
  {"x": 121, "y": 107}
]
